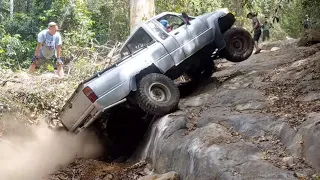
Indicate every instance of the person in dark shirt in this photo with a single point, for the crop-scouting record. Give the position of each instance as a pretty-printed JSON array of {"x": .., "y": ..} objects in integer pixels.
[
  {"x": 256, "y": 29},
  {"x": 306, "y": 22}
]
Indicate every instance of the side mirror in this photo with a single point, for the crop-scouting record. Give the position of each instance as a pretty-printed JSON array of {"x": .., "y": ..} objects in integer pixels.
[{"x": 185, "y": 18}]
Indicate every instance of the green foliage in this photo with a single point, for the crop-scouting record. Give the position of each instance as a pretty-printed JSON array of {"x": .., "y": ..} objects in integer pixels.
[
  {"x": 23, "y": 25},
  {"x": 192, "y": 7},
  {"x": 111, "y": 20},
  {"x": 294, "y": 14},
  {"x": 293, "y": 18},
  {"x": 50, "y": 68},
  {"x": 12, "y": 52},
  {"x": 278, "y": 33},
  {"x": 312, "y": 9},
  {"x": 87, "y": 23}
]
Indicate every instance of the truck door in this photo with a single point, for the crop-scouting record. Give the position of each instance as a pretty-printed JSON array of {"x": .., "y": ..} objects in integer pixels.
[
  {"x": 191, "y": 38},
  {"x": 199, "y": 36},
  {"x": 179, "y": 31},
  {"x": 169, "y": 42}
]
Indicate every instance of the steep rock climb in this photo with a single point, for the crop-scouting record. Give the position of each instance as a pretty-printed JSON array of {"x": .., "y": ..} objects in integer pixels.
[{"x": 258, "y": 118}]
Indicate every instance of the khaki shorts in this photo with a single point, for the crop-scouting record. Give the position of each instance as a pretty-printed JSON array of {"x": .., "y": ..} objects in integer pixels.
[{"x": 42, "y": 60}]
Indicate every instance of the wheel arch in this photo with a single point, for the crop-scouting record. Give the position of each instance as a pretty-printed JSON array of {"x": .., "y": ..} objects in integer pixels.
[
  {"x": 135, "y": 79},
  {"x": 220, "y": 23}
]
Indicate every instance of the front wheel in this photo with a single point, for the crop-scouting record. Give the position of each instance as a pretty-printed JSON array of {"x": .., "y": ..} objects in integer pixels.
[
  {"x": 239, "y": 45},
  {"x": 157, "y": 94}
]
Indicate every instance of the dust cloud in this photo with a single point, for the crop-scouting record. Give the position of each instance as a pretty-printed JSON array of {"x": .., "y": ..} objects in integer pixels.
[{"x": 35, "y": 153}]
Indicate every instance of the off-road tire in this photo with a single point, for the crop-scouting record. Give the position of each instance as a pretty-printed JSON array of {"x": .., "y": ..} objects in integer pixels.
[
  {"x": 147, "y": 102},
  {"x": 239, "y": 45}
]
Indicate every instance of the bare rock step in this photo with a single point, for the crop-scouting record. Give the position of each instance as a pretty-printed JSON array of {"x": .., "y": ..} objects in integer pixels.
[{"x": 167, "y": 176}]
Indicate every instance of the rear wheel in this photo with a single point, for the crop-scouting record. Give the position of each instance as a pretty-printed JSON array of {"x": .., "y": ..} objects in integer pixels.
[
  {"x": 157, "y": 94},
  {"x": 239, "y": 45}
]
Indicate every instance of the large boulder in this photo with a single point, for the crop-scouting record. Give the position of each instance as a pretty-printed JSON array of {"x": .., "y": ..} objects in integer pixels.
[{"x": 309, "y": 37}]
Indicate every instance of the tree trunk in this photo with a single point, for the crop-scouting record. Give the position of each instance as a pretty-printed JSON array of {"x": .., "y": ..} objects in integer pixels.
[
  {"x": 28, "y": 5},
  {"x": 140, "y": 10},
  {"x": 11, "y": 9},
  {"x": 238, "y": 9}
]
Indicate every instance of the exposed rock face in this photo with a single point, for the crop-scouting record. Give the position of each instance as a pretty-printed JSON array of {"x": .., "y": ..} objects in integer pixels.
[
  {"x": 209, "y": 152},
  {"x": 261, "y": 121},
  {"x": 309, "y": 132}
]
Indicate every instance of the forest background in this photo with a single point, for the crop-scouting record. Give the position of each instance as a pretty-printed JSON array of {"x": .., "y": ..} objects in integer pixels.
[{"x": 91, "y": 28}]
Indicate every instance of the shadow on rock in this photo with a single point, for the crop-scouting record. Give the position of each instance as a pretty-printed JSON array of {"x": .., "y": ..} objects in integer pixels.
[
  {"x": 122, "y": 130},
  {"x": 194, "y": 87}
]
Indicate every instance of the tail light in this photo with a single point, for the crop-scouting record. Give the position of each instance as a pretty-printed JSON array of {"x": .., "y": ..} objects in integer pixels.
[{"x": 90, "y": 94}]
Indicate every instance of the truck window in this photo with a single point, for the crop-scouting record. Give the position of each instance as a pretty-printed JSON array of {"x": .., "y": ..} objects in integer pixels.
[
  {"x": 140, "y": 40},
  {"x": 174, "y": 22},
  {"x": 160, "y": 32}
]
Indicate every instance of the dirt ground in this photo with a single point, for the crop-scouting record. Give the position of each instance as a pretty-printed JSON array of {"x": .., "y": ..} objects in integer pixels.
[
  {"x": 66, "y": 162},
  {"x": 94, "y": 170}
]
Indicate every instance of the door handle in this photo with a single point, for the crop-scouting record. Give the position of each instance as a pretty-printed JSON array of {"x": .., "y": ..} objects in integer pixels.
[{"x": 176, "y": 33}]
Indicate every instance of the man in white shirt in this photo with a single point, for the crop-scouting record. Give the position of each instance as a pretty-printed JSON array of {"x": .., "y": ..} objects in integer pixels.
[{"x": 49, "y": 44}]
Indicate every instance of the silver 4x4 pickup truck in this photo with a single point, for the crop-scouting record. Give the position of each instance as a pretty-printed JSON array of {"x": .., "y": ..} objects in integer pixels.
[{"x": 151, "y": 58}]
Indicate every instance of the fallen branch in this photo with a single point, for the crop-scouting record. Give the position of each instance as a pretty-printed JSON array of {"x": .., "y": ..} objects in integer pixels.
[{"x": 3, "y": 83}]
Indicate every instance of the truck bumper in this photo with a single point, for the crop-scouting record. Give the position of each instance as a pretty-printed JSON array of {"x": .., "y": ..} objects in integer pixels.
[{"x": 92, "y": 114}]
